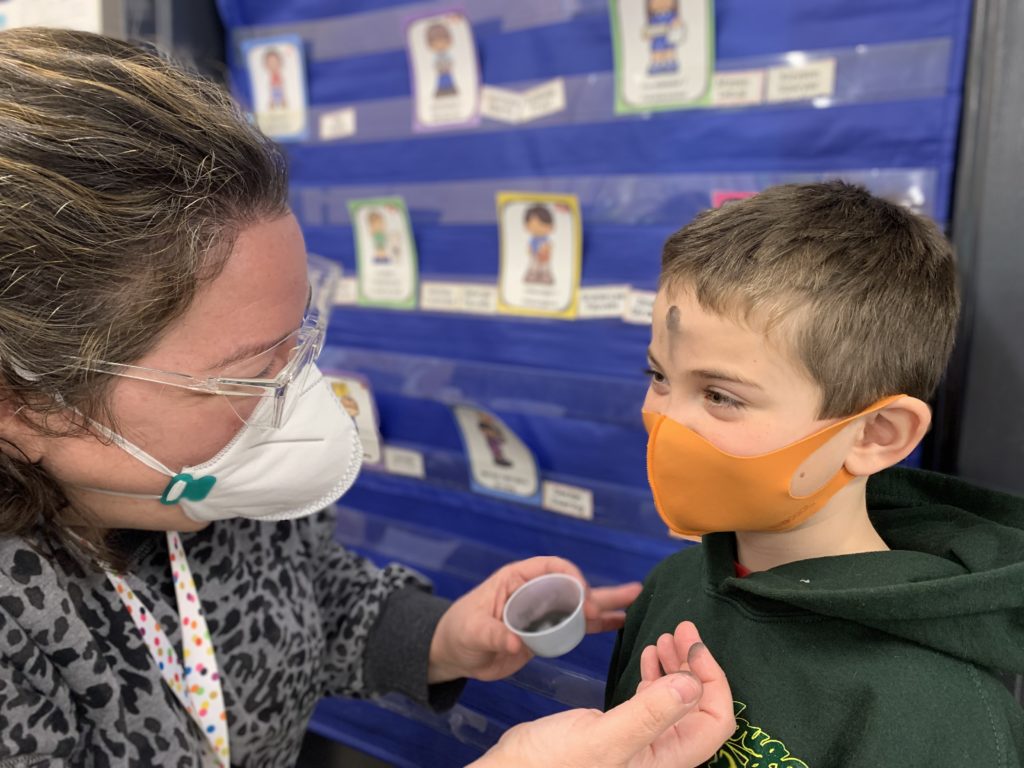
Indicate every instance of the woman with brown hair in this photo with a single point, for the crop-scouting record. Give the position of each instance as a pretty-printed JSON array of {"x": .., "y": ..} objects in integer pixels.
[{"x": 170, "y": 593}]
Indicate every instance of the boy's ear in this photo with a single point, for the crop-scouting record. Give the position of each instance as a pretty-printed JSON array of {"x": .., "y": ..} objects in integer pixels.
[{"x": 888, "y": 436}]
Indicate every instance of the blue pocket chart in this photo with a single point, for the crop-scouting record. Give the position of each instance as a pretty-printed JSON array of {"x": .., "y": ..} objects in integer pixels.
[{"x": 884, "y": 114}]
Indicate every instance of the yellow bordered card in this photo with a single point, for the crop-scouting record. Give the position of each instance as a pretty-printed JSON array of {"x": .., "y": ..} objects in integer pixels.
[{"x": 541, "y": 240}]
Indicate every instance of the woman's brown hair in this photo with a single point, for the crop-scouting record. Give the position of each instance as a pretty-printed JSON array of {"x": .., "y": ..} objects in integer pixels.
[{"x": 124, "y": 181}]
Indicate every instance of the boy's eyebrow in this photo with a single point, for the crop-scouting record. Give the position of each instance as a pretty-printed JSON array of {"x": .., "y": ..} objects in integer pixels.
[
  {"x": 710, "y": 373},
  {"x": 725, "y": 376}
]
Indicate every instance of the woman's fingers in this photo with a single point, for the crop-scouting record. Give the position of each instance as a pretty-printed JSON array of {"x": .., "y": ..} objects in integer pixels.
[
  {"x": 614, "y": 598},
  {"x": 630, "y": 728}
]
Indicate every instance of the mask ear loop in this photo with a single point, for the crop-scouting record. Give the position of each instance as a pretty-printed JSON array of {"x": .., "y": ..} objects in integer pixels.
[
  {"x": 181, "y": 485},
  {"x": 127, "y": 446}
]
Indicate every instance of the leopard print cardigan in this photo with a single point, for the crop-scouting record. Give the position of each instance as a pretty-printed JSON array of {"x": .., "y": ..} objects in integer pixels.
[{"x": 292, "y": 615}]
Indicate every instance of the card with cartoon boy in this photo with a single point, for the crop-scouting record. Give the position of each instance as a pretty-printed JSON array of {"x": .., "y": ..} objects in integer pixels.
[
  {"x": 277, "y": 74},
  {"x": 541, "y": 254},
  {"x": 386, "y": 261},
  {"x": 445, "y": 71},
  {"x": 500, "y": 464},
  {"x": 664, "y": 53},
  {"x": 354, "y": 393}
]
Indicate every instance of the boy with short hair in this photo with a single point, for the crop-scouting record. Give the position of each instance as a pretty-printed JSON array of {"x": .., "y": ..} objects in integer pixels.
[{"x": 796, "y": 338}]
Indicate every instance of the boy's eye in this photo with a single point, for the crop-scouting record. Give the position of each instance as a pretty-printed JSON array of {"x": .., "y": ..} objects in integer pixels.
[
  {"x": 720, "y": 399},
  {"x": 656, "y": 376}
]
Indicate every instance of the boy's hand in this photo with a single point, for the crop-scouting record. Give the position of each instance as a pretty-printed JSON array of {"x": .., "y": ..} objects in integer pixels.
[
  {"x": 674, "y": 721},
  {"x": 471, "y": 640},
  {"x": 683, "y": 651}
]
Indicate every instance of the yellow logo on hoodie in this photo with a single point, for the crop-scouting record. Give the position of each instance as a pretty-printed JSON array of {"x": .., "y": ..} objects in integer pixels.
[{"x": 750, "y": 747}]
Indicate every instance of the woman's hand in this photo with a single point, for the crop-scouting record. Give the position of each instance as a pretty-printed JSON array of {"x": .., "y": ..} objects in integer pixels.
[
  {"x": 472, "y": 641},
  {"x": 675, "y": 720}
]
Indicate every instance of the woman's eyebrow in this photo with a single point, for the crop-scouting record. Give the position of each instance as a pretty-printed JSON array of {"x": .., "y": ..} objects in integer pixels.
[
  {"x": 251, "y": 350},
  {"x": 248, "y": 351}
]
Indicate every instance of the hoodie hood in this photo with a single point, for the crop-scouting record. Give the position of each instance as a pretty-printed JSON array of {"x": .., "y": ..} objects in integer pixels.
[{"x": 953, "y": 580}]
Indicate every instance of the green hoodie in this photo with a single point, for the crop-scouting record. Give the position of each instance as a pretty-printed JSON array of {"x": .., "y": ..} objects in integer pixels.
[{"x": 875, "y": 659}]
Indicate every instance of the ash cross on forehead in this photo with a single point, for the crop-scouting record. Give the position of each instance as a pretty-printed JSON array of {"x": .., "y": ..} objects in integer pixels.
[{"x": 672, "y": 319}]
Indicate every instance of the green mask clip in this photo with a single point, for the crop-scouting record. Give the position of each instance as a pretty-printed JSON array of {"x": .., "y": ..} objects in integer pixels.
[{"x": 184, "y": 486}]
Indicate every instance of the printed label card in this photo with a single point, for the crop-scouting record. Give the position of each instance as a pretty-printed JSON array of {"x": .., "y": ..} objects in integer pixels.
[
  {"x": 571, "y": 500},
  {"x": 405, "y": 462},
  {"x": 541, "y": 254},
  {"x": 386, "y": 261},
  {"x": 277, "y": 73},
  {"x": 737, "y": 89},
  {"x": 85, "y": 15},
  {"x": 603, "y": 301},
  {"x": 338, "y": 124},
  {"x": 500, "y": 464},
  {"x": 639, "y": 307},
  {"x": 502, "y": 104},
  {"x": 664, "y": 53},
  {"x": 508, "y": 106},
  {"x": 804, "y": 82},
  {"x": 545, "y": 99},
  {"x": 444, "y": 69},
  {"x": 354, "y": 393}
]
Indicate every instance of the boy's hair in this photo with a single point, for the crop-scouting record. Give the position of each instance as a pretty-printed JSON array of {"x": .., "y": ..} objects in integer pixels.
[
  {"x": 539, "y": 212},
  {"x": 864, "y": 289}
]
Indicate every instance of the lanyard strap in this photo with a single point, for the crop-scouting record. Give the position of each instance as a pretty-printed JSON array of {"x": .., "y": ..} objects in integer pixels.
[{"x": 196, "y": 684}]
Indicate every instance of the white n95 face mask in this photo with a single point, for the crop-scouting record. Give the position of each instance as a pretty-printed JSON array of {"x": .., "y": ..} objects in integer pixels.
[{"x": 304, "y": 465}]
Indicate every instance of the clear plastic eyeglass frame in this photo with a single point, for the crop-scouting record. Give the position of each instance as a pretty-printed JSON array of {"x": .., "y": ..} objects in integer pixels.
[{"x": 260, "y": 401}]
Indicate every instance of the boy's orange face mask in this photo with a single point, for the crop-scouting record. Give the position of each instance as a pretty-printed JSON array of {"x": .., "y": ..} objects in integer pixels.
[{"x": 699, "y": 489}]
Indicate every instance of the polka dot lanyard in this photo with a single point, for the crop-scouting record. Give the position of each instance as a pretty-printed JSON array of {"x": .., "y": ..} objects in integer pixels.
[{"x": 197, "y": 685}]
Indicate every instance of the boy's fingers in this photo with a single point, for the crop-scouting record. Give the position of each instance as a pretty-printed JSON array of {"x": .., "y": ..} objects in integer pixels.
[
  {"x": 686, "y": 634},
  {"x": 649, "y": 669},
  {"x": 703, "y": 664},
  {"x": 670, "y": 660},
  {"x": 717, "y": 697}
]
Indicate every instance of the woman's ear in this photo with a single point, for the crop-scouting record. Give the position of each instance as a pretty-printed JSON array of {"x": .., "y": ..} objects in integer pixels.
[
  {"x": 18, "y": 439},
  {"x": 888, "y": 436}
]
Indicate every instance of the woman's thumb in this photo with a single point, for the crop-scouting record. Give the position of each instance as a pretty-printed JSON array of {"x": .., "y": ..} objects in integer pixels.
[{"x": 623, "y": 731}]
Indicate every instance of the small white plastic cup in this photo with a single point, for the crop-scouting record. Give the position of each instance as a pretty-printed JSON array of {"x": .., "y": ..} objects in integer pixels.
[{"x": 547, "y": 613}]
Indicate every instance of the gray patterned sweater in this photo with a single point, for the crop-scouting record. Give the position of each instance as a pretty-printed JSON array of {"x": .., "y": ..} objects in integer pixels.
[{"x": 292, "y": 616}]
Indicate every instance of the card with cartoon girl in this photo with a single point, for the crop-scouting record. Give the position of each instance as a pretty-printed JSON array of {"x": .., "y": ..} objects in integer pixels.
[
  {"x": 386, "y": 262},
  {"x": 664, "y": 53},
  {"x": 445, "y": 72},
  {"x": 277, "y": 74},
  {"x": 541, "y": 254},
  {"x": 500, "y": 464}
]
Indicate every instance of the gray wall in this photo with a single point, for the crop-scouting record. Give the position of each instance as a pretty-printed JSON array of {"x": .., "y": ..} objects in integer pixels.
[{"x": 982, "y": 412}]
